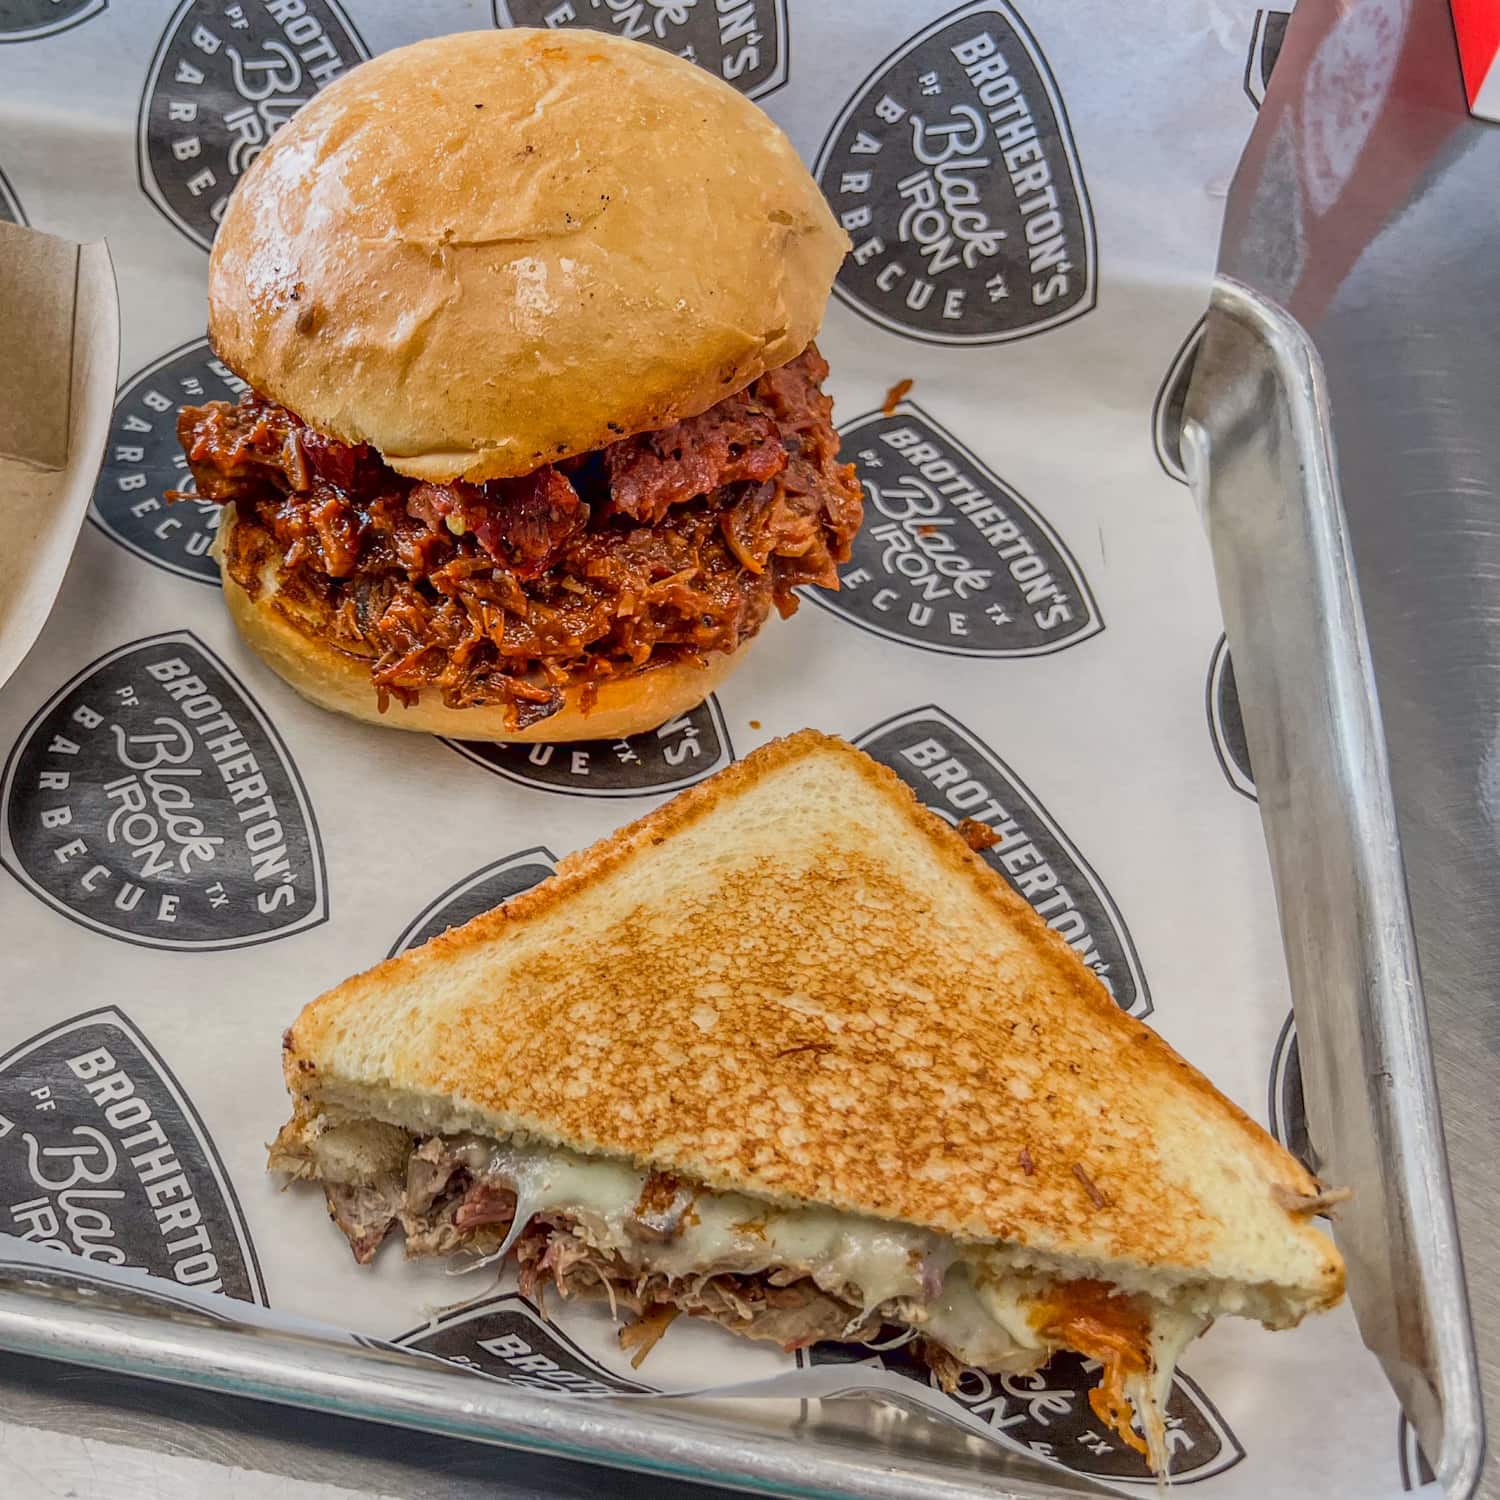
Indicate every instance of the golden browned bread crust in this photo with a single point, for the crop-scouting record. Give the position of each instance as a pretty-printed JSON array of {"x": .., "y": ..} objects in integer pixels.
[
  {"x": 795, "y": 981},
  {"x": 337, "y": 680},
  {"x": 489, "y": 250}
]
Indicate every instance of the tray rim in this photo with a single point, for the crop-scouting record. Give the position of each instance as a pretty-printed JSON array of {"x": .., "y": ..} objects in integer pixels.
[
  {"x": 354, "y": 1380},
  {"x": 240, "y": 1358},
  {"x": 1403, "y": 1096}
]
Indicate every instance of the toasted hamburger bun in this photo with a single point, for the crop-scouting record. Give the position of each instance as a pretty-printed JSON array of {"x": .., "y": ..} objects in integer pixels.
[
  {"x": 337, "y": 680},
  {"x": 488, "y": 251}
]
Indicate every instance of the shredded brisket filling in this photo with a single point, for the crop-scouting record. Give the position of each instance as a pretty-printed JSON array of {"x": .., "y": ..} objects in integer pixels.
[
  {"x": 659, "y": 548},
  {"x": 442, "y": 1206},
  {"x": 782, "y": 1306},
  {"x": 656, "y": 1246}
]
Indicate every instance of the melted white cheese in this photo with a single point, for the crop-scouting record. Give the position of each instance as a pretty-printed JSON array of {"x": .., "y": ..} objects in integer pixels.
[
  {"x": 987, "y": 1325},
  {"x": 728, "y": 1231},
  {"x": 871, "y": 1261},
  {"x": 981, "y": 1314},
  {"x": 1171, "y": 1332}
]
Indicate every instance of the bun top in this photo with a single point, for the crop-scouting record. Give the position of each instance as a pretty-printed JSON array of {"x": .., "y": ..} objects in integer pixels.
[{"x": 490, "y": 250}]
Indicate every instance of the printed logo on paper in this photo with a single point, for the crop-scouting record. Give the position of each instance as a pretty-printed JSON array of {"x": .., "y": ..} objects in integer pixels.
[
  {"x": 10, "y": 206},
  {"x": 103, "y": 1156},
  {"x": 691, "y": 747},
  {"x": 507, "y": 1340},
  {"x": 954, "y": 172},
  {"x": 1048, "y": 1413},
  {"x": 224, "y": 78},
  {"x": 1415, "y": 1470},
  {"x": 480, "y": 892},
  {"x": 1166, "y": 410},
  {"x": 1287, "y": 1111},
  {"x": 152, "y": 801},
  {"x": 25, "y": 20},
  {"x": 950, "y": 558},
  {"x": 743, "y": 41},
  {"x": 958, "y": 777},
  {"x": 144, "y": 460},
  {"x": 1226, "y": 724},
  {"x": 1265, "y": 47}
]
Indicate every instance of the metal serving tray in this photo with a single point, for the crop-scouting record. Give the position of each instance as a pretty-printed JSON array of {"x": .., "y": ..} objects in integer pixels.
[{"x": 1257, "y": 445}]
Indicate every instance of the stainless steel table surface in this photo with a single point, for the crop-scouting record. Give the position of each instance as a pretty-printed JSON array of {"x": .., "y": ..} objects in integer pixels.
[{"x": 1368, "y": 206}]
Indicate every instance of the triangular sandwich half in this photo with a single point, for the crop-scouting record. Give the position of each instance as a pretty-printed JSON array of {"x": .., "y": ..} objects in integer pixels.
[{"x": 786, "y": 1054}]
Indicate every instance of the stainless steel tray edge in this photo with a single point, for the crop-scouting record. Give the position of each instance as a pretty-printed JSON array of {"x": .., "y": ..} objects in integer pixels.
[
  {"x": 129, "y": 1332},
  {"x": 1258, "y": 447}
]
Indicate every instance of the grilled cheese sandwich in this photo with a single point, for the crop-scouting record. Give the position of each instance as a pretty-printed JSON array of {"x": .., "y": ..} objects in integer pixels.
[{"x": 787, "y": 1055}]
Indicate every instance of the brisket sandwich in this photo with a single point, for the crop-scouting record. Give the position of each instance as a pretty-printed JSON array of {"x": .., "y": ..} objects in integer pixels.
[
  {"x": 535, "y": 437},
  {"x": 787, "y": 1056}
]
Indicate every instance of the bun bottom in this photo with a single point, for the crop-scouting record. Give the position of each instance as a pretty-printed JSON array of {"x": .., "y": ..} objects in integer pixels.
[{"x": 336, "y": 680}]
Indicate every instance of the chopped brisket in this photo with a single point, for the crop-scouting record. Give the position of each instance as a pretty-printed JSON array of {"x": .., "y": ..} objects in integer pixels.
[
  {"x": 659, "y": 548},
  {"x": 793, "y": 1315},
  {"x": 366, "y": 1214},
  {"x": 467, "y": 1193},
  {"x": 444, "y": 1201},
  {"x": 730, "y": 443}
]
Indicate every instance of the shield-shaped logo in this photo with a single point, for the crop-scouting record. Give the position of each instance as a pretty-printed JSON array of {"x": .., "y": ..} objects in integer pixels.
[
  {"x": 152, "y": 801},
  {"x": 743, "y": 41},
  {"x": 1416, "y": 1472},
  {"x": 144, "y": 460},
  {"x": 506, "y": 1340},
  {"x": 25, "y": 20},
  {"x": 1048, "y": 1413},
  {"x": 223, "y": 80},
  {"x": 1286, "y": 1109},
  {"x": 1226, "y": 724},
  {"x": 480, "y": 892},
  {"x": 958, "y": 776},
  {"x": 10, "y": 205},
  {"x": 954, "y": 172},
  {"x": 102, "y": 1155},
  {"x": 950, "y": 558},
  {"x": 1166, "y": 410},
  {"x": 1266, "y": 37},
  {"x": 680, "y": 753}
]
